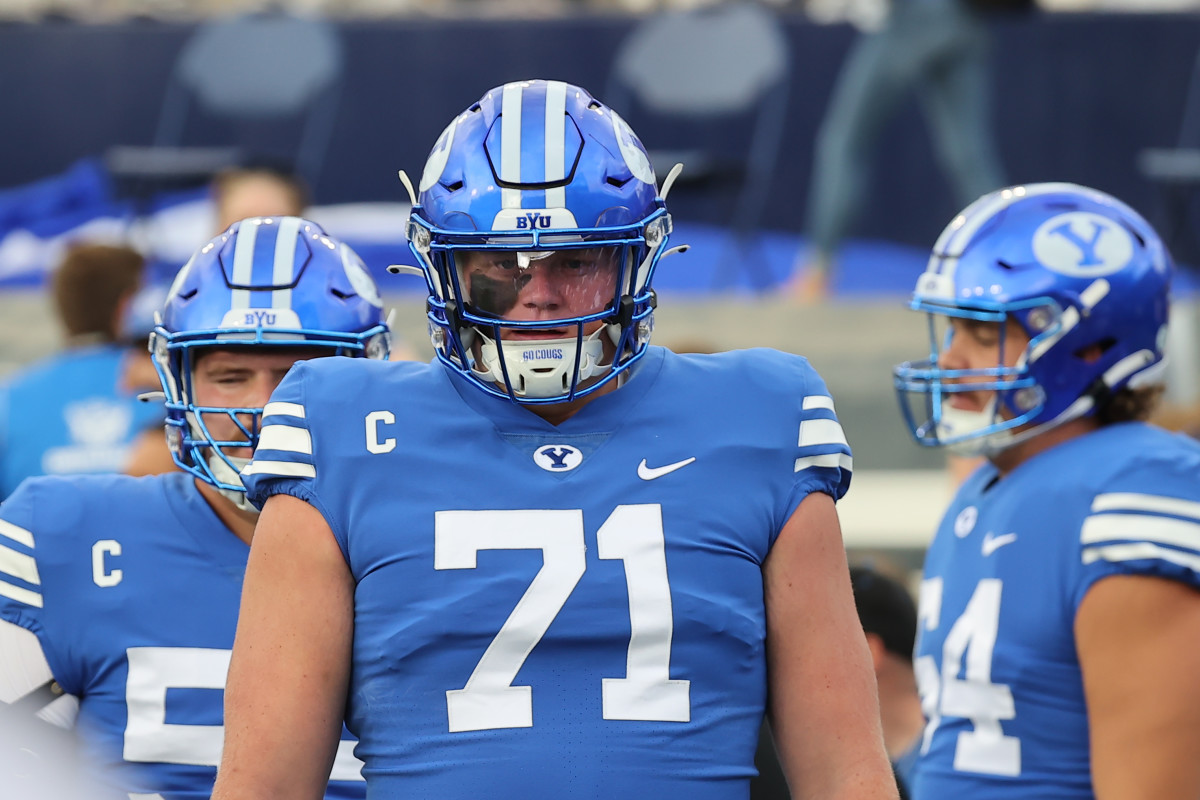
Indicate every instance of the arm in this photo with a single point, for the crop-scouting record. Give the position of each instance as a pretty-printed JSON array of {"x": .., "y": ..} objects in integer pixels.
[
  {"x": 1138, "y": 640},
  {"x": 823, "y": 706},
  {"x": 286, "y": 692}
]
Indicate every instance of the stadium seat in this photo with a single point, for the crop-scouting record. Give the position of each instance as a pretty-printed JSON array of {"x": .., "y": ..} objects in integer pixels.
[
  {"x": 241, "y": 88},
  {"x": 716, "y": 80}
]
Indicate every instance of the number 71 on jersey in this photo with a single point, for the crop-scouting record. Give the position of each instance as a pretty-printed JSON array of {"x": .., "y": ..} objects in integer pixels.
[{"x": 632, "y": 534}]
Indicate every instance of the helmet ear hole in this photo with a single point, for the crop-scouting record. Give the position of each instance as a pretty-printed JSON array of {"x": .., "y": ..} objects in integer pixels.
[{"x": 1092, "y": 353}]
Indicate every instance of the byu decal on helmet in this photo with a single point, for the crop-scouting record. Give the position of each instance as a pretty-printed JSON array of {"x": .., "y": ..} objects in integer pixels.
[
  {"x": 1084, "y": 276},
  {"x": 538, "y": 226},
  {"x": 266, "y": 282}
]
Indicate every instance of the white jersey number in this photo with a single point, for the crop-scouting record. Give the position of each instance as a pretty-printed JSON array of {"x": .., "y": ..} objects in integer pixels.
[
  {"x": 150, "y": 738},
  {"x": 632, "y": 534},
  {"x": 985, "y": 749}
]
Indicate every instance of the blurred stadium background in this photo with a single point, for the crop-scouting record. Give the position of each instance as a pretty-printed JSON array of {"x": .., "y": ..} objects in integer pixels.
[{"x": 1083, "y": 89}]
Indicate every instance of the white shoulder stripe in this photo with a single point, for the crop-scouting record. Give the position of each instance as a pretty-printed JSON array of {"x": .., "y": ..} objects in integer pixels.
[
  {"x": 20, "y": 595},
  {"x": 1131, "y": 501},
  {"x": 1140, "y": 551},
  {"x": 19, "y": 535},
  {"x": 285, "y": 469},
  {"x": 1142, "y": 528},
  {"x": 287, "y": 438},
  {"x": 839, "y": 460},
  {"x": 818, "y": 401},
  {"x": 19, "y": 565},
  {"x": 821, "y": 431},
  {"x": 283, "y": 409}
]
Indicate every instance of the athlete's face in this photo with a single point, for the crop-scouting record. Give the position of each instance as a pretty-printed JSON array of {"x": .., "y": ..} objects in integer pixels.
[
  {"x": 240, "y": 379},
  {"x": 980, "y": 345},
  {"x": 540, "y": 286}
]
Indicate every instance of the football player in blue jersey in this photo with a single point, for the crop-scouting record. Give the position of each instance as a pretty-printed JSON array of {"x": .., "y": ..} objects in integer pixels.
[
  {"x": 556, "y": 562},
  {"x": 1060, "y": 608},
  {"x": 119, "y": 595}
]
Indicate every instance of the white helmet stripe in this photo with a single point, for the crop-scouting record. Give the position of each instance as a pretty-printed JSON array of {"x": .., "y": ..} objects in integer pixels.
[
  {"x": 556, "y": 155},
  {"x": 1088, "y": 299},
  {"x": 510, "y": 143},
  {"x": 284, "y": 271},
  {"x": 243, "y": 264}
]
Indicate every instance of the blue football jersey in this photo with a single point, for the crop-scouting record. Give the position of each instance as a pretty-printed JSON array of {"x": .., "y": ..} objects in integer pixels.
[
  {"x": 65, "y": 415},
  {"x": 559, "y": 612},
  {"x": 1012, "y": 560},
  {"x": 132, "y": 586}
]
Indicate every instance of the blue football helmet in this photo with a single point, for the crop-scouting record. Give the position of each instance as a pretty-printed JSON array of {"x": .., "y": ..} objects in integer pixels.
[
  {"x": 538, "y": 226},
  {"x": 1087, "y": 280},
  {"x": 277, "y": 282}
]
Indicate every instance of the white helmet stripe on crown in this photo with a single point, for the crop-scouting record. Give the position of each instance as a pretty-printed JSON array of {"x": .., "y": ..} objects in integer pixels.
[
  {"x": 243, "y": 265},
  {"x": 283, "y": 270},
  {"x": 556, "y": 151},
  {"x": 510, "y": 144}
]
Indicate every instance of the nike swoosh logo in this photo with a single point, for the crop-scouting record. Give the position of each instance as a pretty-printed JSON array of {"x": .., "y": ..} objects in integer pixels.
[
  {"x": 993, "y": 543},
  {"x": 650, "y": 473}
]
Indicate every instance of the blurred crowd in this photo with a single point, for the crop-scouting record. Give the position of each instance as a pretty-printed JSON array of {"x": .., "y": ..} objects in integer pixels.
[{"x": 862, "y": 12}]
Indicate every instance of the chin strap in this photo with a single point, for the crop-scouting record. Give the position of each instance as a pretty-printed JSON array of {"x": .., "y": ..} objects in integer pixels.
[{"x": 956, "y": 422}]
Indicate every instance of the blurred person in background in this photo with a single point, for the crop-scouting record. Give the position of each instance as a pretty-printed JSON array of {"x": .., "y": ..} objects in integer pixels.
[
  {"x": 119, "y": 595},
  {"x": 937, "y": 48},
  {"x": 1060, "y": 606},
  {"x": 257, "y": 191},
  {"x": 889, "y": 620},
  {"x": 67, "y": 414}
]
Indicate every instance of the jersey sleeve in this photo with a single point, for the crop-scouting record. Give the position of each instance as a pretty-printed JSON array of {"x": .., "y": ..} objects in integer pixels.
[
  {"x": 20, "y": 580},
  {"x": 22, "y": 598},
  {"x": 1149, "y": 524},
  {"x": 285, "y": 459},
  {"x": 823, "y": 462}
]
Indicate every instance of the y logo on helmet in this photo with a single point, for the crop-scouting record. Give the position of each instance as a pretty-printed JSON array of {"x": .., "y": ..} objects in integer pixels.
[
  {"x": 558, "y": 457},
  {"x": 1082, "y": 244}
]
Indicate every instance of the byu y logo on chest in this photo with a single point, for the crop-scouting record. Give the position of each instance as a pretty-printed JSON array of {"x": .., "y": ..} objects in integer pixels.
[{"x": 558, "y": 457}]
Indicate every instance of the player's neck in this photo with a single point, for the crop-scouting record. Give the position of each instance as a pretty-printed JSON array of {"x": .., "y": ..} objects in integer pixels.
[
  {"x": 559, "y": 413},
  {"x": 1008, "y": 460},
  {"x": 240, "y": 523}
]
